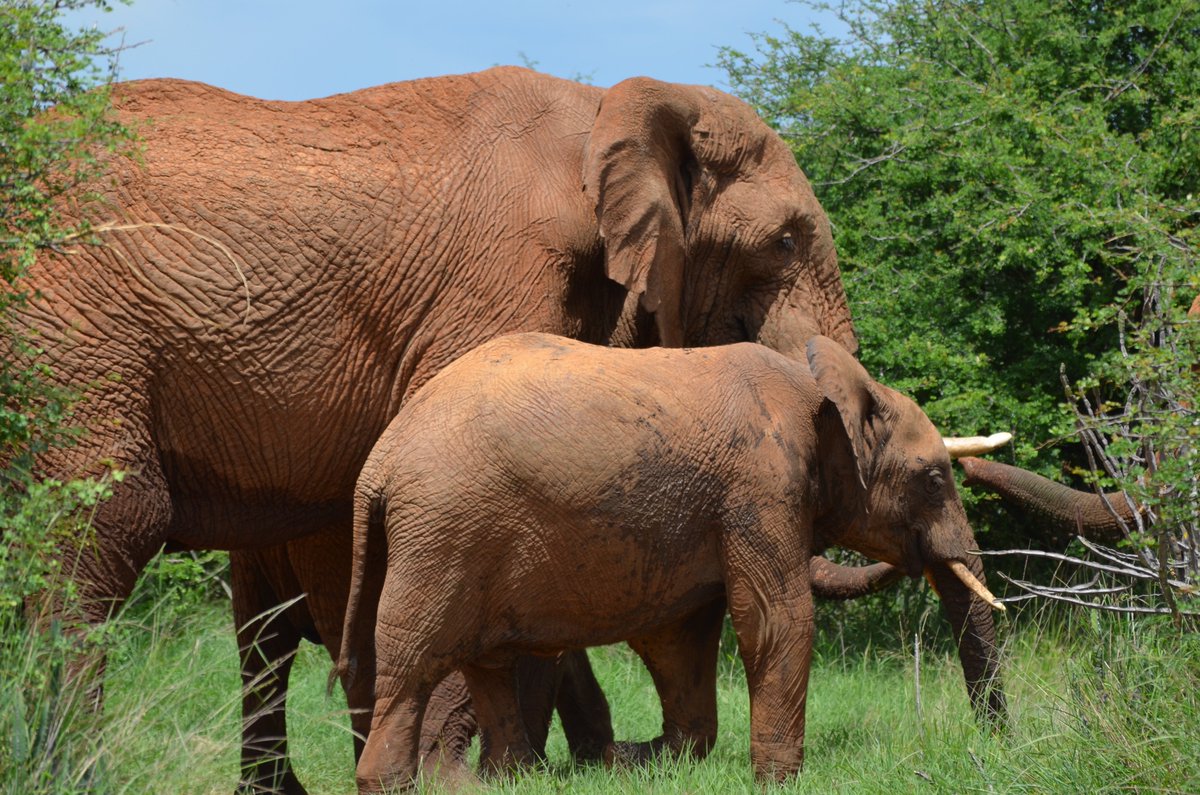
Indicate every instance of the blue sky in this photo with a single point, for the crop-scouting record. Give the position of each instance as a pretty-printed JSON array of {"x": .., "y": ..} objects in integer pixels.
[{"x": 308, "y": 48}]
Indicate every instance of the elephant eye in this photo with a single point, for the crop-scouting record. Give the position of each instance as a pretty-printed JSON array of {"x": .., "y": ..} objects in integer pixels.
[
  {"x": 788, "y": 243},
  {"x": 935, "y": 482}
]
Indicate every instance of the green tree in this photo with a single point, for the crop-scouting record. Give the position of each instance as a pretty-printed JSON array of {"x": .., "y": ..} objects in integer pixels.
[
  {"x": 1004, "y": 179},
  {"x": 54, "y": 122}
]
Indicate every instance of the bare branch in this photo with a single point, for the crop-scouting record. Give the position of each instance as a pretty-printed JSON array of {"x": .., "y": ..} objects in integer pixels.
[
  {"x": 864, "y": 163},
  {"x": 1149, "y": 574},
  {"x": 1059, "y": 596}
]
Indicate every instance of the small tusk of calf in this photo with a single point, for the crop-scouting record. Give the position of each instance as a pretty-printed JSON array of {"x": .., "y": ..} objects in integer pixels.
[
  {"x": 968, "y": 579},
  {"x": 959, "y": 446}
]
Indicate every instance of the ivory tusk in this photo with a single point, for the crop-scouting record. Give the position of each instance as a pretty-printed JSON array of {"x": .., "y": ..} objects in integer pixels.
[
  {"x": 959, "y": 446},
  {"x": 968, "y": 579}
]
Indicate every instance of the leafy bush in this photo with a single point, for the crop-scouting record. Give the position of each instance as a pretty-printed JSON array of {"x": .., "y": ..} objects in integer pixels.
[
  {"x": 45, "y": 709},
  {"x": 181, "y": 580}
]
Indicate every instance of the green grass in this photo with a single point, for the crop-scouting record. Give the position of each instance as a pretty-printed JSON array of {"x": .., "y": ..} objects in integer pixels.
[{"x": 1098, "y": 705}]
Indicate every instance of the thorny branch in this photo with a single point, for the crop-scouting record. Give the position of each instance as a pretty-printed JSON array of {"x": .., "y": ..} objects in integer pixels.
[{"x": 1146, "y": 445}]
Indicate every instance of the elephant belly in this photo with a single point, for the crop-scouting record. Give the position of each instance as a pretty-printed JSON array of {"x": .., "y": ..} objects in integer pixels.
[
  {"x": 255, "y": 462},
  {"x": 214, "y": 521},
  {"x": 248, "y": 498},
  {"x": 601, "y": 585}
]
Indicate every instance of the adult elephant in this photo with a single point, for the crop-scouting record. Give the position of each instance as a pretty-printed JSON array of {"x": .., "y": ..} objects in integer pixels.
[{"x": 271, "y": 281}]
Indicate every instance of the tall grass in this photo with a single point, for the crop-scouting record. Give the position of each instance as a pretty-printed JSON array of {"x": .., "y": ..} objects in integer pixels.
[
  {"x": 1099, "y": 704},
  {"x": 45, "y": 711},
  {"x": 44, "y": 716}
]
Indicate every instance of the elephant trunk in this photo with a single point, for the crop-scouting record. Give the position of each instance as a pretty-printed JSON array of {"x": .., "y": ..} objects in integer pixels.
[
  {"x": 975, "y": 633},
  {"x": 811, "y": 310},
  {"x": 787, "y": 329},
  {"x": 829, "y": 292},
  {"x": 1066, "y": 510},
  {"x": 834, "y": 581}
]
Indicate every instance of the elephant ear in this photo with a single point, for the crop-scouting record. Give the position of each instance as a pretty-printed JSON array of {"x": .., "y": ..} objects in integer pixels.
[
  {"x": 863, "y": 410},
  {"x": 638, "y": 170}
]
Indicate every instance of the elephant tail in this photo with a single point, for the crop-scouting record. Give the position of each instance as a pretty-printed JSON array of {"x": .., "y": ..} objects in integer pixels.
[{"x": 356, "y": 657}]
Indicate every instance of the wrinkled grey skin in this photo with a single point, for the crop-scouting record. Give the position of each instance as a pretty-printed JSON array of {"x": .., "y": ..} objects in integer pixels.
[
  {"x": 272, "y": 281},
  {"x": 569, "y": 495}
]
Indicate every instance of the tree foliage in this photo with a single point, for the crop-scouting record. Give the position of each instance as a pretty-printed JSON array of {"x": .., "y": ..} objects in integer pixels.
[
  {"x": 1005, "y": 178},
  {"x": 43, "y": 156},
  {"x": 54, "y": 122}
]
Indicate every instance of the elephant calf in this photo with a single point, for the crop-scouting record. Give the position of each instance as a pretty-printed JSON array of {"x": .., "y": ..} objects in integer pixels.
[{"x": 542, "y": 494}]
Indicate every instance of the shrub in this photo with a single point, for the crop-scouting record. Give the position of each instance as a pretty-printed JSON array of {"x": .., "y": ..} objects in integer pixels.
[{"x": 54, "y": 118}]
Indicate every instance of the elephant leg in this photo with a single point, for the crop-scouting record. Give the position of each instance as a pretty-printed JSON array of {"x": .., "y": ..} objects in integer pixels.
[
  {"x": 538, "y": 682},
  {"x": 682, "y": 660},
  {"x": 582, "y": 708},
  {"x": 268, "y": 639},
  {"x": 446, "y": 732},
  {"x": 389, "y": 759},
  {"x": 411, "y": 654},
  {"x": 771, "y": 607},
  {"x": 320, "y": 565},
  {"x": 504, "y": 742},
  {"x": 125, "y": 531},
  {"x": 777, "y": 653},
  {"x": 568, "y": 685},
  {"x": 104, "y": 567}
]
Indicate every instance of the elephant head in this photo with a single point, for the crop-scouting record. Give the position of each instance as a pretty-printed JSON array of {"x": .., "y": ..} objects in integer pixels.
[
  {"x": 707, "y": 219},
  {"x": 887, "y": 491}
]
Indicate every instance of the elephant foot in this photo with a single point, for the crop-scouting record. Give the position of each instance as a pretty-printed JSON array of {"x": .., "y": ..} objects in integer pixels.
[
  {"x": 446, "y": 770},
  {"x": 279, "y": 782},
  {"x": 593, "y": 752},
  {"x": 639, "y": 754},
  {"x": 507, "y": 764},
  {"x": 626, "y": 753}
]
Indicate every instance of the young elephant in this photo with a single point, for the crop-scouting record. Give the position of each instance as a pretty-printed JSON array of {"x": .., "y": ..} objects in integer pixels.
[{"x": 542, "y": 494}]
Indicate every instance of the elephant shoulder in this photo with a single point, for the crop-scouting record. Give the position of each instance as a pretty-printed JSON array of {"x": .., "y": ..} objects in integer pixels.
[
  {"x": 769, "y": 377},
  {"x": 755, "y": 357}
]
